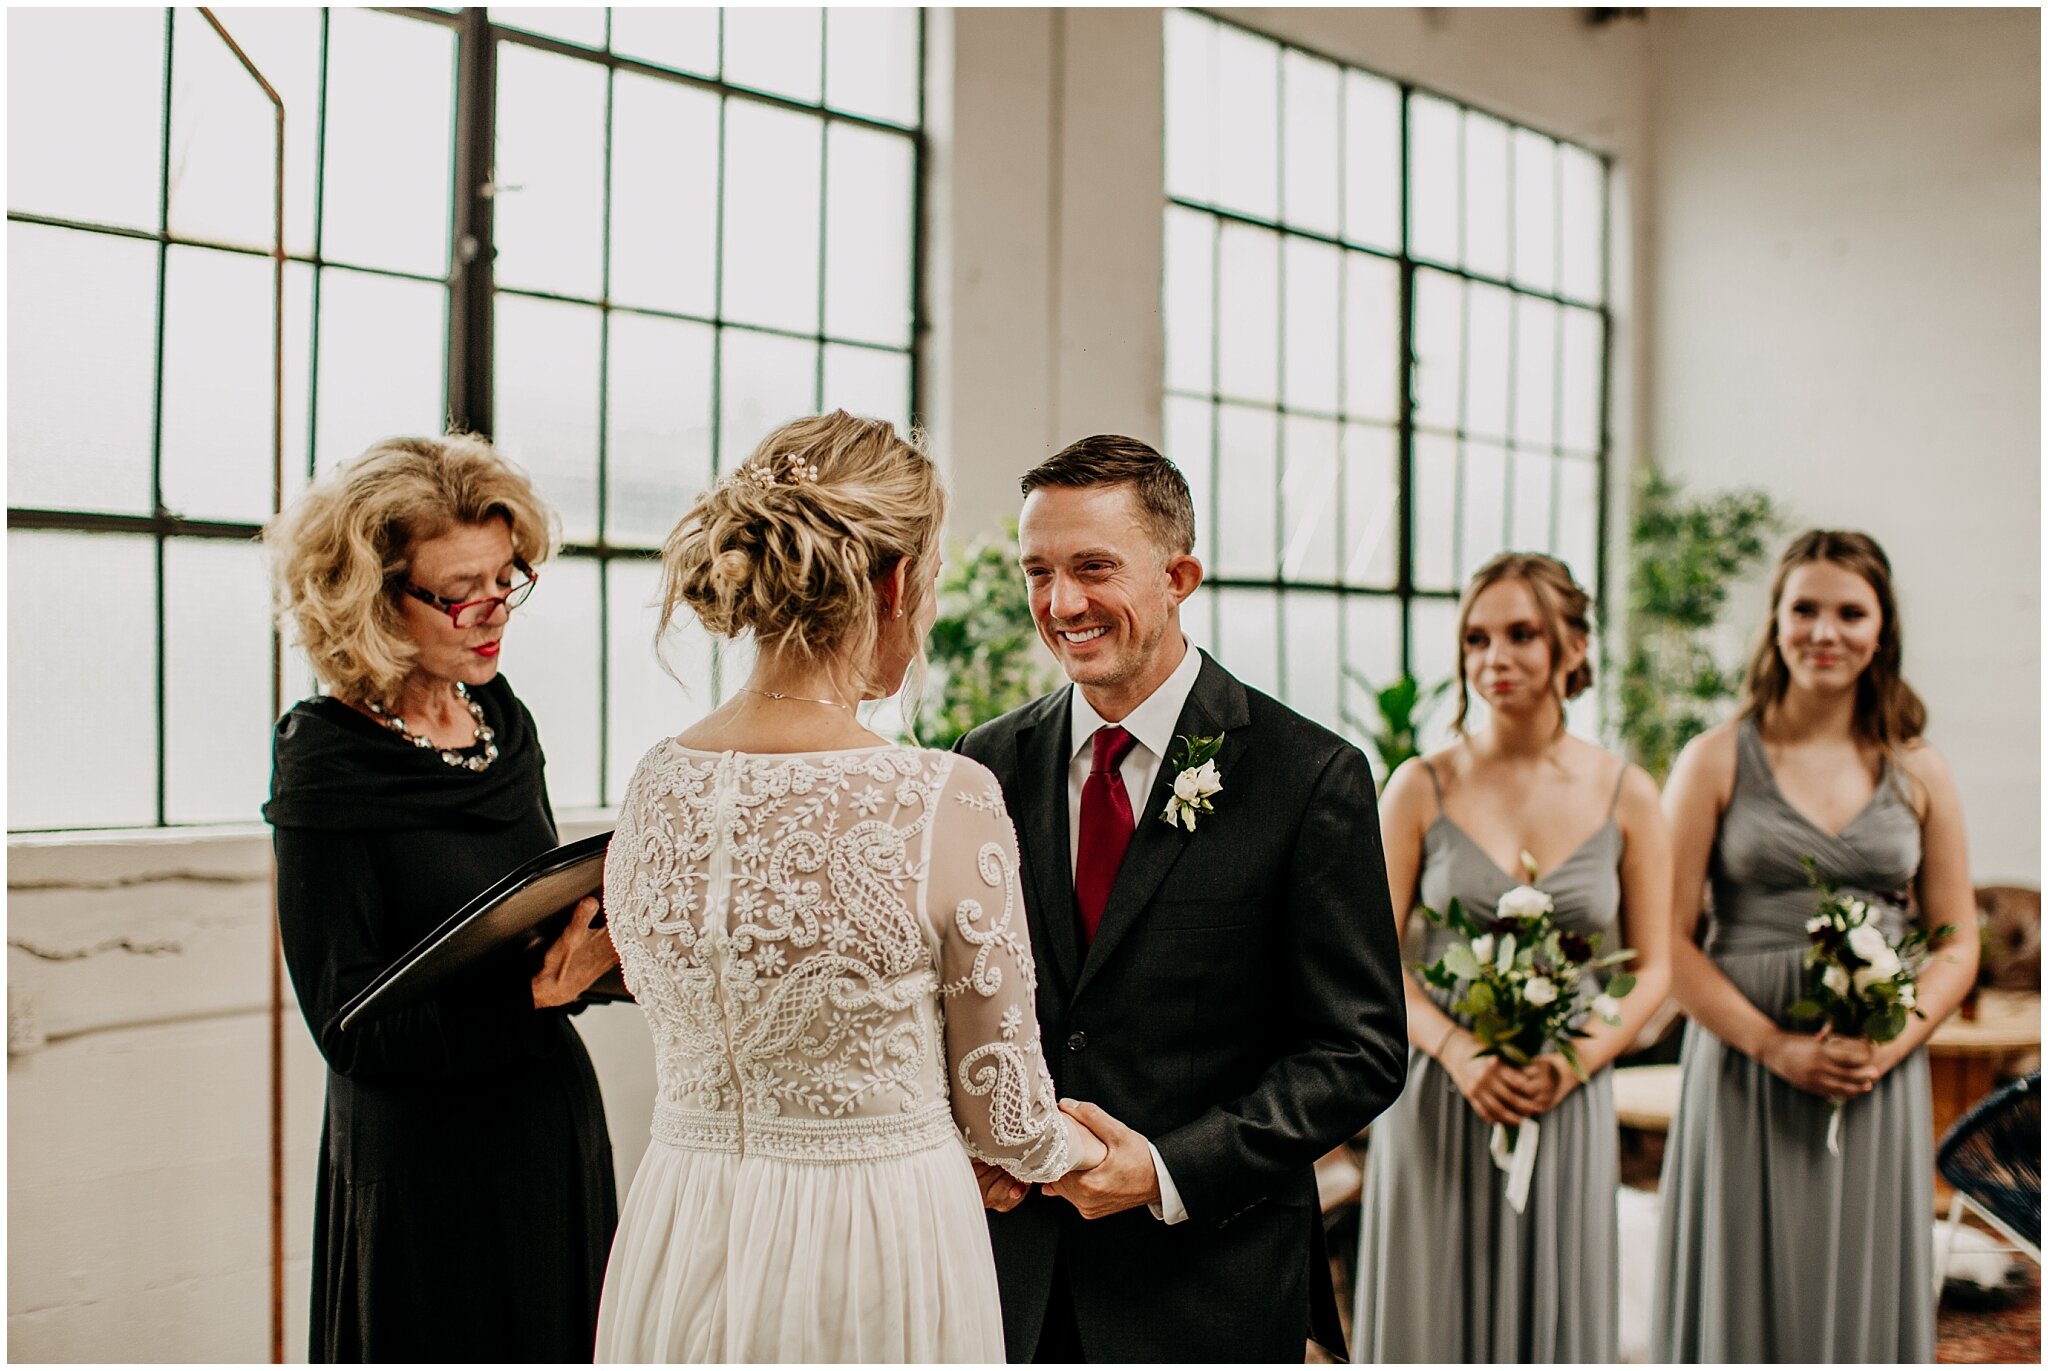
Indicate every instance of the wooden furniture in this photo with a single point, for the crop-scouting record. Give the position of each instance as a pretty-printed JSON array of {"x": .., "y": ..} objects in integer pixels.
[
  {"x": 1645, "y": 1097},
  {"x": 1967, "y": 1058}
]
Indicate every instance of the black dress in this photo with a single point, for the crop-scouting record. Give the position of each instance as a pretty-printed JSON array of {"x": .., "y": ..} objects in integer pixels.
[{"x": 466, "y": 1200}]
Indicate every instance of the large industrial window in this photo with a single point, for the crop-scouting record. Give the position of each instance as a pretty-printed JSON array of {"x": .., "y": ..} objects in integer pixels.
[
  {"x": 696, "y": 224},
  {"x": 1386, "y": 335}
]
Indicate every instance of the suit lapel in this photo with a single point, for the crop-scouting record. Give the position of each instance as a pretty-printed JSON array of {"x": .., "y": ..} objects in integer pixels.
[
  {"x": 1215, "y": 705},
  {"x": 1042, "y": 756}
]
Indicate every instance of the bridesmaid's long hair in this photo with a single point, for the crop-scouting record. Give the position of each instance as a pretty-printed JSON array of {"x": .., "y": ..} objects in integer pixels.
[
  {"x": 1888, "y": 713},
  {"x": 1561, "y": 600}
]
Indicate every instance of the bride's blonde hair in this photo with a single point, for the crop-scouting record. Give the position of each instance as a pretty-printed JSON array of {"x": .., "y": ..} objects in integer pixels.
[{"x": 788, "y": 546}]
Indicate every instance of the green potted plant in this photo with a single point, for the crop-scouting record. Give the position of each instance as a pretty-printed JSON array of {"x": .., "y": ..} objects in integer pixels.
[
  {"x": 984, "y": 651},
  {"x": 1400, "y": 706}
]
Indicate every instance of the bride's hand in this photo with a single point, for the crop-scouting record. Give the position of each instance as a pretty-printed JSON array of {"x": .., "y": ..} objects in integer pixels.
[{"x": 1089, "y": 1150}]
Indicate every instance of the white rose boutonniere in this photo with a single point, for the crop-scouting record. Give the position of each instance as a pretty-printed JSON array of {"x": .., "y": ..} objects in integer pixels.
[{"x": 1196, "y": 781}]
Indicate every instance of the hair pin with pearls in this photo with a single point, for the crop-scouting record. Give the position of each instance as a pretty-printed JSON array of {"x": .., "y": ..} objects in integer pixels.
[{"x": 794, "y": 472}]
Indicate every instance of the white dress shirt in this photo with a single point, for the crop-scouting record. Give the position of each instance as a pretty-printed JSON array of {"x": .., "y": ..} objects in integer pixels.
[{"x": 1151, "y": 724}]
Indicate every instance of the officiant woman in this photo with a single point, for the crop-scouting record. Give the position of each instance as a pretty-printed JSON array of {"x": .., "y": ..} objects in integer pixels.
[{"x": 465, "y": 1199}]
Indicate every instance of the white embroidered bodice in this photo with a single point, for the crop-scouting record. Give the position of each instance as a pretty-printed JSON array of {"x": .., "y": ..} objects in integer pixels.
[{"x": 831, "y": 952}]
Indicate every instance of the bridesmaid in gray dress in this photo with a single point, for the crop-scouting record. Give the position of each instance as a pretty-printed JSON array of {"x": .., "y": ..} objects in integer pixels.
[
  {"x": 1447, "y": 1270},
  {"x": 1772, "y": 1248}
]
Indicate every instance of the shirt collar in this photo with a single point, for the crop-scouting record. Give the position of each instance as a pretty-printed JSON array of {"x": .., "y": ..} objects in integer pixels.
[{"x": 1151, "y": 723}]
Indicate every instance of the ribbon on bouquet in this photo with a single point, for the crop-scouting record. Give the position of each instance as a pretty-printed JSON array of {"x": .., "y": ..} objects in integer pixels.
[
  {"x": 1835, "y": 1129},
  {"x": 1518, "y": 1159}
]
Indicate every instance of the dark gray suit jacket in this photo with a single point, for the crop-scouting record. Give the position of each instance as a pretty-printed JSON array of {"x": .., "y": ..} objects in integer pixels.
[{"x": 1240, "y": 1006}]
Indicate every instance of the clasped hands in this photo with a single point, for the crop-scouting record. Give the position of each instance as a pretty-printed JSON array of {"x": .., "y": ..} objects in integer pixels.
[
  {"x": 1835, "y": 1068},
  {"x": 1114, "y": 1173},
  {"x": 1500, "y": 1092}
]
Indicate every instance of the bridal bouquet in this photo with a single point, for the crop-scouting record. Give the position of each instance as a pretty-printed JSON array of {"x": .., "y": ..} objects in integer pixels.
[
  {"x": 1527, "y": 990},
  {"x": 1858, "y": 982}
]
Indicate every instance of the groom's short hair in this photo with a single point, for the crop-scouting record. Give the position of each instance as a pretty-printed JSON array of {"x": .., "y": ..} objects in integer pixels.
[{"x": 1110, "y": 459}]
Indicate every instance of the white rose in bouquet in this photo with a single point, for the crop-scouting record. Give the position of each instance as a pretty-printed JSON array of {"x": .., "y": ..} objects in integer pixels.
[
  {"x": 1835, "y": 979},
  {"x": 1539, "y": 991},
  {"x": 1524, "y": 902},
  {"x": 1482, "y": 947},
  {"x": 1816, "y": 923},
  {"x": 1867, "y": 941},
  {"x": 1867, "y": 976},
  {"x": 1607, "y": 1008}
]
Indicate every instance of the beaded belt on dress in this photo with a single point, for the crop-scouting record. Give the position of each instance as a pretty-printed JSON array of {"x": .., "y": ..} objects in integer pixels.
[{"x": 805, "y": 1138}]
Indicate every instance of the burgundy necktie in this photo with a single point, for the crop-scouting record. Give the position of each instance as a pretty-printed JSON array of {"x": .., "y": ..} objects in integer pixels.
[{"x": 1106, "y": 827}]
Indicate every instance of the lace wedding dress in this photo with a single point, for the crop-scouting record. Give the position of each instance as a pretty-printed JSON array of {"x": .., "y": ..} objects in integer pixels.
[{"x": 831, "y": 952}]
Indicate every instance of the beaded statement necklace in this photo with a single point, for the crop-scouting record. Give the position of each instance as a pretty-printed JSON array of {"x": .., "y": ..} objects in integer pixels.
[{"x": 484, "y": 735}]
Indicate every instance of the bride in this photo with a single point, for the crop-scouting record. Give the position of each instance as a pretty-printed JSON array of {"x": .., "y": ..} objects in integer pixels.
[{"x": 825, "y": 933}]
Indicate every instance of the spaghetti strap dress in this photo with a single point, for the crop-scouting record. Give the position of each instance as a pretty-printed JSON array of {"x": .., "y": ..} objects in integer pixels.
[
  {"x": 1447, "y": 1271},
  {"x": 1770, "y": 1247}
]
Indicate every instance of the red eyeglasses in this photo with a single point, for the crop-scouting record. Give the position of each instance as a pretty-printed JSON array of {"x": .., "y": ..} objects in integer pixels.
[{"x": 470, "y": 613}]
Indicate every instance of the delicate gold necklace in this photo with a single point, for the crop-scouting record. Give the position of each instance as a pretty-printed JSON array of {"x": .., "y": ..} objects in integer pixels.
[{"x": 806, "y": 699}]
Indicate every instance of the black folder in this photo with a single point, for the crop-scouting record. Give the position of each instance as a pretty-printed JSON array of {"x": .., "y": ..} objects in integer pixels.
[{"x": 525, "y": 910}]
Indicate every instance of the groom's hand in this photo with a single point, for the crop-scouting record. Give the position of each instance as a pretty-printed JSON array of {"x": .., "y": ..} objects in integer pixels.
[{"x": 1126, "y": 1178}]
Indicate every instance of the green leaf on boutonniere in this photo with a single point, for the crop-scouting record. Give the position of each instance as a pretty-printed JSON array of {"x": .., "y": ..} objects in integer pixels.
[{"x": 1192, "y": 749}]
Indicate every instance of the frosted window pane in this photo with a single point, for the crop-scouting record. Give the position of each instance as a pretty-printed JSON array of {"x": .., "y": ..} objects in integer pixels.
[
  {"x": 1484, "y": 510},
  {"x": 1578, "y": 520},
  {"x": 1535, "y": 371},
  {"x": 388, "y": 167},
  {"x": 216, "y": 682},
  {"x": 1372, "y": 161},
  {"x": 764, "y": 382},
  {"x": 1309, "y": 155},
  {"x": 1248, "y": 351},
  {"x": 1247, "y": 624},
  {"x": 548, "y": 215},
  {"x": 1246, "y": 471},
  {"x": 869, "y": 383},
  {"x": 1190, "y": 106},
  {"x": 1435, "y": 494},
  {"x": 85, "y": 113},
  {"x": 1433, "y": 649},
  {"x": 658, "y": 441},
  {"x": 1579, "y": 429},
  {"x": 871, "y": 62},
  {"x": 217, "y": 374},
  {"x": 551, "y": 661},
  {"x": 1190, "y": 443},
  {"x": 298, "y": 378},
  {"x": 1372, "y": 337},
  {"x": 1372, "y": 661},
  {"x": 1439, "y": 347},
  {"x": 1198, "y": 619},
  {"x": 1582, "y": 230},
  {"x": 643, "y": 702},
  {"x": 81, "y": 707},
  {"x": 383, "y": 350},
  {"x": 686, "y": 39},
  {"x": 1486, "y": 195},
  {"x": 664, "y": 209},
  {"x": 1247, "y": 95},
  {"x": 81, "y": 312},
  {"x": 776, "y": 50},
  {"x": 1488, "y": 311},
  {"x": 1190, "y": 271},
  {"x": 1309, "y": 500},
  {"x": 546, "y": 393},
  {"x": 771, "y": 213},
  {"x": 224, "y": 128},
  {"x": 870, "y": 196},
  {"x": 1433, "y": 193},
  {"x": 1312, "y": 646},
  {"x": 1533, "y": 476},
  {"x": 1313, "y": 300},
  {"x": 584, "y": 26},
  {"x": 1372, "y": 504},
  {"x": 1535, "y": 246}
]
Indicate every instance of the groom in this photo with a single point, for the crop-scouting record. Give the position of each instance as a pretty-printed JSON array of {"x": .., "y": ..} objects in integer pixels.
[{"x": 1226, "y": 998}]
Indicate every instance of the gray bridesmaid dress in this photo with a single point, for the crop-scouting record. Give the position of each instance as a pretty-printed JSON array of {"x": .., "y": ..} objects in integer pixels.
[
  {"x": 1772, "y": 1249},
  {"x": 1447, "y": 1272}
]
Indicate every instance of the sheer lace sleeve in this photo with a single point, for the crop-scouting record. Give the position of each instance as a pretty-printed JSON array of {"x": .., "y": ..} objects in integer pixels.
[{"x": 1003, "y": 1097}]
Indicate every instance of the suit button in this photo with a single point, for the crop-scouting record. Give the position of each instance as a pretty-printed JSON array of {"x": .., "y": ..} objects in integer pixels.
[{"x": 1076, "y": 1040}]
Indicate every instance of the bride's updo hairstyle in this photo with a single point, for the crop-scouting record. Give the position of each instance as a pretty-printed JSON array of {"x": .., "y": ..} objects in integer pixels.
[
  {"x": 1562, "y": 602},
  {"x": 788, "y": 546}
]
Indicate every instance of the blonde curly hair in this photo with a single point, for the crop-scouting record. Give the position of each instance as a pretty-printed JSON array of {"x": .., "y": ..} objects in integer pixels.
[
  {"x": 788, "y": 546},
  {"x": 340, "y": 554}
]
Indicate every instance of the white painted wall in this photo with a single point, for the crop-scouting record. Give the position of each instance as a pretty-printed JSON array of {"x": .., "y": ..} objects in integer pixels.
[{"x": 1846, "y": 257}]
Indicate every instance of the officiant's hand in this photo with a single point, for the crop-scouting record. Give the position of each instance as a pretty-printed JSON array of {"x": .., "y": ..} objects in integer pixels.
[
  {"x": 575, "y": 959},
  {"x": 1125, "y": 1179}
]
